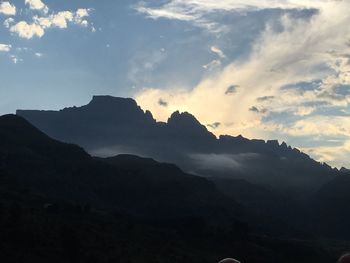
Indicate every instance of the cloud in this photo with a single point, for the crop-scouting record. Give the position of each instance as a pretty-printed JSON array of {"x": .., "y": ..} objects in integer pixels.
[
  {"x": 338, "y": 155},
  {"x": 304, "y": 111},
  {"x": 28, "y": 31},
  {"x": 312, "y": 49},
  {"x": 188, "y": 10},
  {"x": 61, "y": 19},
  {"x": 254, "y": 109},
  {"x": 37, "y": 5},
  {"x": 336, "y": 126},
  {"x": 156, "y": 13},
  {"x": 15, "y": 59},
  {"x": 7, "y": 8},
  {"x": 143, "y": 64},
  {"x": 214, "y": 64},
  {"x": 200, "y": 12},
  {"x": 80, "y": 17},
  {"x": 214, "y": 125},
  {"x": 39, "y": 23},
  {"x": 218, "y": 51},
  {"x": 8, "y": 22},
  {"x": 265, "y": 98},
  {"x": 5, "y": 47},
  {"x": 231, "y": 89},
  {"x": 162, "y": 102},
  {"x": 223, "y": 162}
]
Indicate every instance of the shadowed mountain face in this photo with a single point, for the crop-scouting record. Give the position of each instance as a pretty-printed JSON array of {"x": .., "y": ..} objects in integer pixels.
[
  {"x": 31, "y": 161},
  {"x": 57, "y": 199},
  {"x": 331, "y": 207},
  {"x": 108, "y": 126}
]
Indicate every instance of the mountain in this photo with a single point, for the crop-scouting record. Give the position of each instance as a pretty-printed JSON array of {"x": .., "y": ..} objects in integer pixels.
[
  {"x": 344, "y": 170},
  {"x": 32, "y": 161},
  {"x": 277, "y": 213},
  {"x": 59, "y": 204},
  {"x": 330, "y": 207},
  {"x": 108, "y": 126}
]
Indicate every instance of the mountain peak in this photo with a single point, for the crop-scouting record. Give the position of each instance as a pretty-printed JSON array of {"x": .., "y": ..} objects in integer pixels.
[
  {"x": 183, "y": 119},
  {"x": 113, "y": 103},
  {"x": 15, "y": 123},
  {"x": 344, "y": 170},
  {"x": 18, "y": 135},
  {"x": 102, "y": 99},
  {"x": 107, "y": 108}
]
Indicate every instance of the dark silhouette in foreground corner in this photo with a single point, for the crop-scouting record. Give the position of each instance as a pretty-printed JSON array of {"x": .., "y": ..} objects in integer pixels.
[
  {"x": 229, "y": 260},
  {"x": 345, "y": 258}
]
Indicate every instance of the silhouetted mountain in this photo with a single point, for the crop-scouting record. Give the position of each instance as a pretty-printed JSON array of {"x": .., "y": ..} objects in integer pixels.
[
  {"x": 330, "y": 207},
  {"x": 108, "y": 126},
  {"x": 58, "y": 204},
  {"x": 277, "y": 213},
  {"x": 31, "y": 160},
  {"x": 343, "y": 170}
]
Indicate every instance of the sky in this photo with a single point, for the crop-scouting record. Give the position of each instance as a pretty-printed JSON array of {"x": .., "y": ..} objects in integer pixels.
[{"x": 270, "y": 69}]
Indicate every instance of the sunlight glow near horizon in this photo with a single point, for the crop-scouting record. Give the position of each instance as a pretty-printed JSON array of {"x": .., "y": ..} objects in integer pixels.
[{"x": 263, "y": 69}]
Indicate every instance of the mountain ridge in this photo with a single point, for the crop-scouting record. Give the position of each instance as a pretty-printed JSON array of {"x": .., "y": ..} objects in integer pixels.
[
  {"x": 110, "y": 126},
  {"x": 30, "y": 159},
  {"x": 59, "y": 204}
]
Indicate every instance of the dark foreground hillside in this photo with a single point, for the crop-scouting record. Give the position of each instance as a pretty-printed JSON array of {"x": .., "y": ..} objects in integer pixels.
[
  {"x": 69, "y": 233},
  {"x": 58, "y": 204}
]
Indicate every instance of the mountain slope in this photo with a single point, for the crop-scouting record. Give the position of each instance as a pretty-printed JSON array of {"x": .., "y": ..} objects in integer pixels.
[
  {"x": 31, "y": 160},
  {"x": 58, "y": 204},
  {"x": 109, "y": 126},
  {"x": 330, "y": 207}
]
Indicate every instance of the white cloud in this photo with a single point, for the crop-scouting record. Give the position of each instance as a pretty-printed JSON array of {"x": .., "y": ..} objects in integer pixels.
[
  {"x": 214, "y": 64},
  {"x": 335, "y": 126},
  {"x": 304, "y": 110},
  {"x": 40, "y": 24},
  {"x": 82, "y": 12},
  {"x": 7, "y": 8},
  {"x": 60, "y": 20},
  {"x": 81, "y": 15},
  {"x": 28, "y": 31},
  {"x": 37, "y": 5},
  {"x": 198, "y": 11},
  {"x": 224, "y": 162},
  {"x": 15, "y": 59},
  {"x": 337, "y": 155},
  {"x": 8, "y": 22},
  {"x": 5, "y": 47},
  {"x": 191, "y": 10},
  {"x": 164, "y": 12},
  {"x": 217, "y": 51},
  {"x": 303, "y": 50}
]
